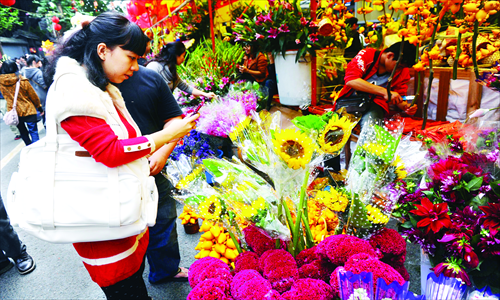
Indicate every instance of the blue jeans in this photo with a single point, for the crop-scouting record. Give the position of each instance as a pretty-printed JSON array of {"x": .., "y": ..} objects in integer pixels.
[
  {"x": 163, "y": 250},
  {"x": 32, "y": 130},
  {"x": 9, "y": 241}
]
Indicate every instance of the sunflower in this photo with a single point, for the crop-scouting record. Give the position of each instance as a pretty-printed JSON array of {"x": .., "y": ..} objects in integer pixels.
[
  {"x": 210, "y": 208},
  {"x": 400, "y": 168},
  {"x": 335, "y": 134},
  {"x": 293, "y": 147}
]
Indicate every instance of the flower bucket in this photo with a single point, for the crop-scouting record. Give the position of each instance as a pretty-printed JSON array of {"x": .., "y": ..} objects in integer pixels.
[
  {"x": 294, "y": 79},
  {"x": 425, "y": 270}
]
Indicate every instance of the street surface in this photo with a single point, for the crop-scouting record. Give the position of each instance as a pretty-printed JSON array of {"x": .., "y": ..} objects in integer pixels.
[{"x": 59, "y": 272}]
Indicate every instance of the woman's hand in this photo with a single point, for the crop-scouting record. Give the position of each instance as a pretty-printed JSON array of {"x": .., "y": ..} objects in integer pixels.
[
  {"x": 243, "y": 69},
  {"x": 209, "y": 95},
  {"x": 178, "y": 128},
  {"x": 411, "y": 110}
]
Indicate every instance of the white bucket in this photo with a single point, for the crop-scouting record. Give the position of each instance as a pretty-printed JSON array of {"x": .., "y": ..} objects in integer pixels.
[{"x": 294, "y": 79}]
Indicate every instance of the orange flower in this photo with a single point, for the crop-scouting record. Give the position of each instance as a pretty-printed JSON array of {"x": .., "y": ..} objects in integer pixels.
[{"x": 418, "y": 66}]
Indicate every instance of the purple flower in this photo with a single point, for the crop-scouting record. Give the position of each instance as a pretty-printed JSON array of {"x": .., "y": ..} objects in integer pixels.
[
  {"x": 268, "y": 17},
  {"x": 225, "y": 80},
  {"x": 240, "y": 20},
  {"x": 208, "y": 88},
  {"x": 493, "y": 156},
  {"x": 284, "y": 28},
  {"x": 449, "y": 183},
  {"x": 297, "y": 41},
  {"x": 221, "y": 86},
  {"x": 273, "y": 33},
  {"x": 489, "y": 244}
]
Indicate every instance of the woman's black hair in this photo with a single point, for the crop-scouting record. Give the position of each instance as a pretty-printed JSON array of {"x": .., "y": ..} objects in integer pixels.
[
  {"x": 110, "y": 28},
  {"x": 8, "y": 67},
  {"x": 31, "y": 59},
  {"x": 168, "y": 56}
]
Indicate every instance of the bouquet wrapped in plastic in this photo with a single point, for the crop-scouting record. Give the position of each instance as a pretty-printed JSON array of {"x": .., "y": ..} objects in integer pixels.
[{"x": 444, "y": 288}]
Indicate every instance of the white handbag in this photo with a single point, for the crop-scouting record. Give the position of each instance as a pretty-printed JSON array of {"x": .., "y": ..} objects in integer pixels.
[
  {"x": 11, "y": 118},
  {"x": 60, "y": 197}
]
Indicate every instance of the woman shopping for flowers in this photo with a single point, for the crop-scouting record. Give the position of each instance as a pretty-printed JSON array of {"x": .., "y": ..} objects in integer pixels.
[
  {"x": 27, "y": 102},
  {"x": 165, "y": 64},
  {"x": 87, "y": 107}
]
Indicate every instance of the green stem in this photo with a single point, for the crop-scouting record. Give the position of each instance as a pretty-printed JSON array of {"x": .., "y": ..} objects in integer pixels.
[
  {"x": 300, "y": 209},
  {"x": 431, "y": 75},
  {"x": 309, "y": 236},
  {"x": 459, "y": 46},
  {"x": 235, "y": 241},
  {"x": 474, "y": 50}
]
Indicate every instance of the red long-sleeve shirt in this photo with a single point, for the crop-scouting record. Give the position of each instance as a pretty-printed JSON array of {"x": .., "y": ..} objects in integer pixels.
[
  {"x": 357, "y": 68},
  {"x": 109, "y": 262}
]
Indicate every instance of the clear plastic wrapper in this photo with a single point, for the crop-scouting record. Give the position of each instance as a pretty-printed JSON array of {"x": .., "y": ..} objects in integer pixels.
[
  {"x": 393, "y": 291},
  {"x": 444, "y": 288},
  {"x": 355, "y": 286},
  {"x": 483, "y": 294}
]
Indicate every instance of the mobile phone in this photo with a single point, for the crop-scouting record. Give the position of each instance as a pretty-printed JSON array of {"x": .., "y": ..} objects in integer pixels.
[
  {"x": 408, "y": 98},
  {"x": 197, "y": 108}
]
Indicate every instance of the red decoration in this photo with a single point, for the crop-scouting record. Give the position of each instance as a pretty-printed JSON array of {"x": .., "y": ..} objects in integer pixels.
[
  {"x": 55, "y": 19},
  {"x": 8, "y": 2},
  {"x": 57, "y": 27}
]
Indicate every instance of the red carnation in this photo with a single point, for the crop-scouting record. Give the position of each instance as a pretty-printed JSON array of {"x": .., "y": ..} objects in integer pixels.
[
  {"x": 280, "y": 268},
  {"x": 249, "y": 285},
  {"x": 273, "y": 295},
  {"x": 212, "y": 289},
  {"x": 391, "y": 244},
  {"x": 247, "y": 261},
  {"x": 208, "y": 268},
  {"x": 259, "y": 240},
  {"x": 365, "y": 263},
  {"x": 306, "y": 256},
  {"x": 338, "y": 248},
  {"x": 310, "y": 289},
  {"x": 434, "y": 216},
  {"x": 402, "y": 270},
  {"x": 318, "y": 269}
]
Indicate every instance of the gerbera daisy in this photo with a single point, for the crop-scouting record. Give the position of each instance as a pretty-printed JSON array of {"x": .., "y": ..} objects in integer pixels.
[
  {"x": 293, "y": 147},
  {"x": 335, "y": 134},
  {"x": 210, "y": 208}
]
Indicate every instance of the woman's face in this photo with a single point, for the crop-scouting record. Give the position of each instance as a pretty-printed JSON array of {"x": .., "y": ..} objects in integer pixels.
[
  {"x": 248, "y": 49},
  {"x": 118, "y": 64},
  {"x": 180, "y": 58}
]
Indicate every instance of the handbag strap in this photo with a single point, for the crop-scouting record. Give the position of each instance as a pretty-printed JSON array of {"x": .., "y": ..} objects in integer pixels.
[
  {"x": 370, "y": 68},
  {"x": 18, "y": 84}
]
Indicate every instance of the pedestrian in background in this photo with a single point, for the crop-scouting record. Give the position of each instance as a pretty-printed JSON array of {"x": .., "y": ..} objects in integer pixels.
[
  {"x": 27, "y": 100},
  {"x": 12, "y": 248},
  {"x": 35, "y": 76},
  {"x": 165, "y": 64}
]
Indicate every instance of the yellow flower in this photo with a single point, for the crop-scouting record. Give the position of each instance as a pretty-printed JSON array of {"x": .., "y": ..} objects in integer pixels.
[
  {"x": 400, "y": 168},
  {"x": 375, "y": 149},
  {"x": 333, "y": 200},
  {"x": 293, "y": 147},
  {"x": 189, "y": 178},
  {"x": 210, "y": 208},
  {"x": 260, "y": 203},
  {"x": 375, "y": 215},
  {"x": 335, "y": 134}
]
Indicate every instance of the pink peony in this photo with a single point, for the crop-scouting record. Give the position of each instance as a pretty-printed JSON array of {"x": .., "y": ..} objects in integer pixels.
[
  {"x": 208, "y": 268},
  {"x": 339, "y": 248},
  {"x": 318, "y": 269},
  {"x": 306, "y": 256},
  {"x": 390, "y": 243},
  {"x": 249, "y": 285},
  {"x": 310, "y": 289},
  {"x": 280, "y": 268},
  {"x": 258, "y": 240},
  {"x": 211, "y": 289},
  {"x": 247, "y": 261}
]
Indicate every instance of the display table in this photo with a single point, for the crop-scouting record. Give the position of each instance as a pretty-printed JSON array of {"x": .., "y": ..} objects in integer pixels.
[{"x": 444, "y": 74}]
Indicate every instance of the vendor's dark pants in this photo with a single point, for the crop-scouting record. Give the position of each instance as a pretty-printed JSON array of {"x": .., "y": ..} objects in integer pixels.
[
  {"x": 163, "y": 250},
  {"x": 375, "y": 113},
  {"x": 9, "y": 241}
]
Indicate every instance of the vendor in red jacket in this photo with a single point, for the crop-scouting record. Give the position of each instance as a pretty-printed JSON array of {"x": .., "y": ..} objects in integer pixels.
[{"x": 375, "y": 82}]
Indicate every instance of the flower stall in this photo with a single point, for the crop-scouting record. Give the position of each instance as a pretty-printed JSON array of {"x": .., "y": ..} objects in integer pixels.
[{"x": 276, "y": 222}]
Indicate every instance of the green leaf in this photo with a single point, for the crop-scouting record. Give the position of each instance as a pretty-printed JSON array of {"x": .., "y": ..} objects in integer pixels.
[
  {"x": 413, "y": 221},
  {"x": 407, "y": 225},
  {"x": 495, "y": 187},
  {"x": 429, "y": 194},
  {"x": 476, "y": 202},
  {"x": 474, "y": 184},
  {"x": 468, "y": 177}
]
